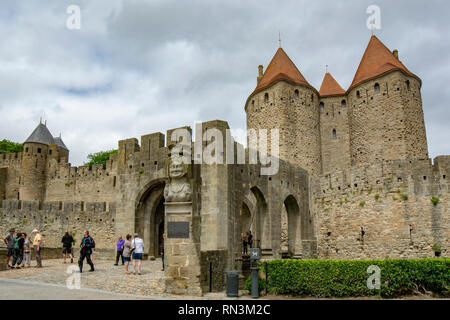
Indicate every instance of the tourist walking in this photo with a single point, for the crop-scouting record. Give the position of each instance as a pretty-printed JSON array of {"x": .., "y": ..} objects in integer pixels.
[
  {"x": 87, "y": 243},
  {"x": 26, "y": 251},
  {"x": 37, "y": 244},
  {"x": 17, "y": 251},
  {"x": 138, "y": 245},
  {"x": 9, "y": 241},
  {"x": 127, "y": 252},
  {"x": 67, "y": 241},
  {"x": 161, "y": 250},
  {"x": 119, "y": 246}
]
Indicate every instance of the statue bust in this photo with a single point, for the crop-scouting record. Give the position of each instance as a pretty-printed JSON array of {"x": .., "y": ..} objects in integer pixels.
[{"x": 178, "y": 188}]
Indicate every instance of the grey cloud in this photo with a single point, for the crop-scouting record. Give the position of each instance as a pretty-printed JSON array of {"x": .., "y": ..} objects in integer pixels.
[{"x": 137, "y": 66}]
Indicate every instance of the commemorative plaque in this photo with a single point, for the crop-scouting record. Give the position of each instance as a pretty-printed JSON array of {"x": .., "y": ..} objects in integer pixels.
[{"x": 178, "y": 230}]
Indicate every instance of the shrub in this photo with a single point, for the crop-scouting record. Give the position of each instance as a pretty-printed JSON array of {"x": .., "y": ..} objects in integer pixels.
[
  {"x": 404, "y": 196},
  {"x": 377, "y": 196},
  {"x": 348, "y": 278},
  {"x": 362, "y": 203},
  {"x": 435, "y": 200},
  {"x": 437, "y": 249}
]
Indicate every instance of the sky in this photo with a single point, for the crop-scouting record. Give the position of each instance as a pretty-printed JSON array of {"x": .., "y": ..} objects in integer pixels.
[{"x": 136, "y": 67}]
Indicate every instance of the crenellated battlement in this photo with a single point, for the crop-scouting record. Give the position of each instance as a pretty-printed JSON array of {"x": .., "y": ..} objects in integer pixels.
[
  {"x": 414, "y": 176},
  {"x": 7, "y": 159},
  {"x": 37, "y": 206}
]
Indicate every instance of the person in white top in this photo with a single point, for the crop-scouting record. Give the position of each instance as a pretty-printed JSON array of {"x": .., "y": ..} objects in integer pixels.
[{"x": 138, "y": 250}]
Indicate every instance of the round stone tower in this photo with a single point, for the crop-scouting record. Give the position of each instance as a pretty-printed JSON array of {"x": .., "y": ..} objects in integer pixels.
[
  {"x": 34, "y": 164},
  {"x": 385, "y": 109},
  {"x": 284, "y": 100}
]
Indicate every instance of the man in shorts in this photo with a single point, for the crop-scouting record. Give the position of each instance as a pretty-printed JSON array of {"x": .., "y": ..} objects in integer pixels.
[
  {"x": 67, "y": 241},
  {"x": 9, "y": 240}
]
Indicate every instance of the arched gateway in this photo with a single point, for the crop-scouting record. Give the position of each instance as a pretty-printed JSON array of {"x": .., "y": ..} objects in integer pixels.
[{"x": 149, "y": 219}]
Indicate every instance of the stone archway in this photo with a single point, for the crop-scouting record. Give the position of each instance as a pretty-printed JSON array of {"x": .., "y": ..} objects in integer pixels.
[
  {"x": 150, "y": 217},
  {"x": 260, "y": 223},
  {"x": 293, "y": 227},
  {"x": 246, "y": 218}
]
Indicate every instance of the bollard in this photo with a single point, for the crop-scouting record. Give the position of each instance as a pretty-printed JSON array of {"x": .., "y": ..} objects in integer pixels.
[{"x": 255, "y": 284}]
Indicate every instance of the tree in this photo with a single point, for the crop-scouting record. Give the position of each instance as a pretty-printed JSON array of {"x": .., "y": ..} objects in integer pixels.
[
  {"x": 7, "y": 146},
  {"x": 99, "y": 157}
]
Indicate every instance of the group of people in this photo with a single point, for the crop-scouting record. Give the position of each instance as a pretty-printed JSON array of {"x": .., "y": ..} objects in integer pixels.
[
  {"x": 19, "y": 249},
  {"x": 133, "y": 249},
  {"x": 247, "y": 241}
]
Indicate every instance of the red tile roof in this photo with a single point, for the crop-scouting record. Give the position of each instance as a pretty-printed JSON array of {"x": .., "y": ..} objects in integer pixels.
[
  {"x": 281, "y": 67},
  {"x": 330, "y": 87},
  {"x": 377, "y": 59}
]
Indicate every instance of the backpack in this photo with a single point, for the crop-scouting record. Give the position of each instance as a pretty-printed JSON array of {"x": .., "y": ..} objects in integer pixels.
[
  {"x": 89, "y": 243},
  {"x": 16, "y": 243}
]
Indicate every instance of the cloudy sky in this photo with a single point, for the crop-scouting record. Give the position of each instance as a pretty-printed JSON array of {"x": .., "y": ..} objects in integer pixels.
[{"x": 142, "y": 66}]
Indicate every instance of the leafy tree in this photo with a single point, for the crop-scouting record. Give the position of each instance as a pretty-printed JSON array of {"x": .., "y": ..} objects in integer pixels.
[
  {"x": 99, "y": 157},
  {"x": 7, "y": 146}
]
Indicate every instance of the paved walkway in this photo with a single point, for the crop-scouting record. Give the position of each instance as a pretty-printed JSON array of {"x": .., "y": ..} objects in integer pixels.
[
  {"x": 106, "y": 277},
  {"x": 107, "y": 282},
  {"x": 13, "y": 289}
]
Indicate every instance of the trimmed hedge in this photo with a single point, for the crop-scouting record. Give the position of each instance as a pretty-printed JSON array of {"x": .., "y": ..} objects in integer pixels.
[{"x": 348, "y": 278}]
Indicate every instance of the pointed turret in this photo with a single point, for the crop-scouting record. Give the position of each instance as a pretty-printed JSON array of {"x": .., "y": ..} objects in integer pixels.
[
  {"x": 41, "y": 135},
  {"x": 330, "y": 87},
  {"x": 281, "y": 67},
  {"x": 60, "y": 143},
  {"x": 377, "y": 60}
]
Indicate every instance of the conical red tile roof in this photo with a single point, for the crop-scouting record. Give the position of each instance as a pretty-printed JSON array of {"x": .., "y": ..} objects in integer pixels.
[
  {"x": 281, "y": 67},
  {"x": 330, "y": 86},
  {"x": 377, "y": 59}
]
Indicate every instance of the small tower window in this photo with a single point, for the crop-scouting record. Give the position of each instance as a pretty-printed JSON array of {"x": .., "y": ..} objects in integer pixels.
[
  {"x": 312, "y": 97},
  {"x": 334, "y": 134},
  {"x": 296, "y": 94},
  {"x": 358, "y": 94},
  {"x": 408, "y": 85},
  {"x": 50, "y": 152},
  {"x": 266, "y": 97},
  {"x": 26, "y": 149},
  {"x": 377, "y": 88},
  {"x": 322, "y": 106},
  {"x": 343, "y": 103},
  {"x": 39, "y": 150}
]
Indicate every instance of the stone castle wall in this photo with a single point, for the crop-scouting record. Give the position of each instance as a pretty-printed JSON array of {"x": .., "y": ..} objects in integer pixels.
[
  {"x": 386, "y": 123},
  {"x": 334, "y": 133},
  {"x": 384, "y": 210},
  {"x": 10, "y": 175},
  {"x": 52, "y": 219},
  {"x": 34, "y": 171},
  {"x": 84, "y": 183},
  {"x": 294, "y": 110}
]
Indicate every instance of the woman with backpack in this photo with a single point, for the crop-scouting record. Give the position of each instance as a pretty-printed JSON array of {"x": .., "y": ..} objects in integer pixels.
[{"x": 127, "y": 252}]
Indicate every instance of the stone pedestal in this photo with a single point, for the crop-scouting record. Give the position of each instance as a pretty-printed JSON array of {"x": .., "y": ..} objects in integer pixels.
[{"x": 182, "y": 249}]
